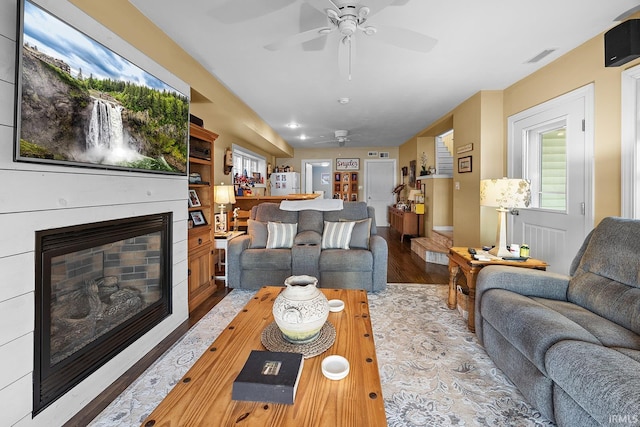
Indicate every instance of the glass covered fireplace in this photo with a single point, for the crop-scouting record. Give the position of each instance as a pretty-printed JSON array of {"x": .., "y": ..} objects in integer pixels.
[{"x": 99, "y": 287}]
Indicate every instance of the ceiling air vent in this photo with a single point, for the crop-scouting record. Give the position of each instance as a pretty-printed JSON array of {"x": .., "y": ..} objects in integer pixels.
[{"x": 541, "y": 55}]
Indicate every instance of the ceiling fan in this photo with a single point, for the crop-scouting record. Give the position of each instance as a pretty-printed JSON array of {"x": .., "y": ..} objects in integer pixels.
[
  {"x": 341, "y": 137},
  {"x": 348, "y": 17}
]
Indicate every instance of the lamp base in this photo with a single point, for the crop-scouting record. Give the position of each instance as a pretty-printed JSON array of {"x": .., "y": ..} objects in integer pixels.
[{"x": 500, "y": 250}]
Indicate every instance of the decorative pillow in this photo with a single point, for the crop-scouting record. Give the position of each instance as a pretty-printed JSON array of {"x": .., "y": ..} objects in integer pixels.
[
  {"x": 337, "y": 235},
  {"x": 360, "y": 235},
  {"x": 280, "y": 235},
  {"x": 258, "y": 232}
]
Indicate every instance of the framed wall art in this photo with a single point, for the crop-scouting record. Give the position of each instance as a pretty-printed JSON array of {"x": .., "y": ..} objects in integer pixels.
[{"x": 464, "y": 164}]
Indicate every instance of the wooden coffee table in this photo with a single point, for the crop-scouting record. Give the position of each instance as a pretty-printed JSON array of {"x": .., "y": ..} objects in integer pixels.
[
  {"x": 461, "y": 260},
  {"x": 203, "y": 396}
]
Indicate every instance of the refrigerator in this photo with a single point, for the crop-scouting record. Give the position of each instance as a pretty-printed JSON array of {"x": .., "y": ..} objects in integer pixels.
[{"x": 283, "y": 183}]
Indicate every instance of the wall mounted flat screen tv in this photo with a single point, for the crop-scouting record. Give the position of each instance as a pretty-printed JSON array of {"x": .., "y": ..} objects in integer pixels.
[{"x": 78, "y": 103}]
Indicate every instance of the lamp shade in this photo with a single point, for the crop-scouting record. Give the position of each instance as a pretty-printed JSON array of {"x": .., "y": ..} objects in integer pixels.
[
  {"x": 224, "y": 194},
  {"x": 505, "y": 193}
]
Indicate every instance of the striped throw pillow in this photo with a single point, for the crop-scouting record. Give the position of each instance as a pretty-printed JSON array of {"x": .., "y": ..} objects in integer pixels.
[
  {"x": 336, "y": 235},
  {"x": 280, "y": 235}
]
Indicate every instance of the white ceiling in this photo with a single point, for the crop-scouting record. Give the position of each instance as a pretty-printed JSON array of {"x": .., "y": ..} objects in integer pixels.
[{"x": 394, "y": 92}]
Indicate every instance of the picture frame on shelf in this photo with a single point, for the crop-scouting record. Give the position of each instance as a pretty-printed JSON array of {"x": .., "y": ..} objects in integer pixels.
[
  {"x": 194, "y": 200},
  {"x": 464, "y": 164},
  {"x": 220, "y": 223},
  {"x": 198, "y": 218}
]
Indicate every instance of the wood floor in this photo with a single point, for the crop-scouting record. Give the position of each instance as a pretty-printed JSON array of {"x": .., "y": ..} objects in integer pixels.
[{"x": 404, "y": 266}]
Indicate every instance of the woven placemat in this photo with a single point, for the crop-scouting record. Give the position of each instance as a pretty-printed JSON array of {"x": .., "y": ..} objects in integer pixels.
[{"x": 273, "y": 340}]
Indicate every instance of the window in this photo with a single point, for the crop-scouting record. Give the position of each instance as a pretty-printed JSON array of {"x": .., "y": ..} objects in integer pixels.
[
  {"x": 249, "y": 164},
  {"x": 548, "y": 167}
]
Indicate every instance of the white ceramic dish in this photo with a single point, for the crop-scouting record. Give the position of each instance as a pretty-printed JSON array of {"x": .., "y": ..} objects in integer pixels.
[
  {"x": 336, "y": 305},
  {"x": 335, "y": 367}
]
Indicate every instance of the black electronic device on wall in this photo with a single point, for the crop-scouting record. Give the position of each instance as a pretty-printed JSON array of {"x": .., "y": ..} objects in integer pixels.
[{"x": 622, "y": 43}]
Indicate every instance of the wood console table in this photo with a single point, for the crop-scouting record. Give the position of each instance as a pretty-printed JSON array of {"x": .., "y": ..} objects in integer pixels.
[
  {"x": 406, "y": 223},
  {"x": 203, "y": 396},
  {"x": 461, "y": 260}
]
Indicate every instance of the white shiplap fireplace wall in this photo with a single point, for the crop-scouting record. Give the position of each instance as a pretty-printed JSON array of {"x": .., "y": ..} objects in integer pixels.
[{"x": 38, "y": 197}]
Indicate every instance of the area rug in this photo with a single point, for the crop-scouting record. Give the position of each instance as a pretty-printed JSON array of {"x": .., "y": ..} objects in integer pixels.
[{"x": 433, "y": 370}]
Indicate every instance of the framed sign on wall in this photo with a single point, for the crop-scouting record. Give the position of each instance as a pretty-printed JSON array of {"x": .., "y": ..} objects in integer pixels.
[{"x": 348, "y": 164}]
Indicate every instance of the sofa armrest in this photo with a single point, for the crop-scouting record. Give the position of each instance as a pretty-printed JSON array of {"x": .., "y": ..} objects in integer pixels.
[
  {"x": 234, "y": 250},
  {"x": 524, "y": 281},
  {"x": 380, "y": 252}
]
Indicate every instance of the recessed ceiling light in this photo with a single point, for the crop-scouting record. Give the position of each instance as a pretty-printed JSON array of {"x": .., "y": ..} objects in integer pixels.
[
  {"x": 303, "y": 137},
  {"x": 344, "y": 100},
  {"x": 293, "y": 125}
]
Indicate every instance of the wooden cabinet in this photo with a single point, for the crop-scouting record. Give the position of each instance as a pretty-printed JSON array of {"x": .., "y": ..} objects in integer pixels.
[
  {"x": 201, "y": 254},
  {"x": 405, "y": 223},
  {"x": 345, "y": 186}
]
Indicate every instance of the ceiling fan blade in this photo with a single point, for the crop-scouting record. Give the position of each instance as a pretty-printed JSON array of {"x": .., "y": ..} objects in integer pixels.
[
  {"x": 311, "y": 18},
  {"x": 299, "y": 38},
  {"x": 404, "y": 38},
  {"x": 234, "y": 11},
  {"x": 376, "y": 5},
  {"x": 323, "y": 5}
]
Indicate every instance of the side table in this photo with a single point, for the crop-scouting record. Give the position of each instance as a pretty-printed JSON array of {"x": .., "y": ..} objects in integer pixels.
[
  {"x": 461, "y": 260},
  {"x": 221, "y": 242}
]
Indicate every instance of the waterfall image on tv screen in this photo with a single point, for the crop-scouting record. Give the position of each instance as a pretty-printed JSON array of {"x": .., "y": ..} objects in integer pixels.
[{"x": 82, "y": 104}]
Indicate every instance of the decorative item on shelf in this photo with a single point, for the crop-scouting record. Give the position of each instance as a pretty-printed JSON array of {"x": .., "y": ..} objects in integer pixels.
[
  {"x": 228, "y": 161},
  {"x": 223, "y": 195},
  {"x": 235, "y": 219},
  {"x": 431, "y": 171},
  {"x": 301, "y": 309},
  {"x": 397, "y": 191},
  {"x": 507, "y": 195},
  {"x": 423, "y": 164}
]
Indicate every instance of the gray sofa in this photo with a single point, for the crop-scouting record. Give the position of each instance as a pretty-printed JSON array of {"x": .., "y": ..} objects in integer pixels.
[
  {"x": 363, "y": 266},
  {"x": 571, "y": 344}
]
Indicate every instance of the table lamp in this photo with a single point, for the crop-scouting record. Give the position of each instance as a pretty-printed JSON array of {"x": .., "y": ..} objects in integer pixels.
[
  {"x": 224, "y": 195},
  {"x": 506, "y": 194}
]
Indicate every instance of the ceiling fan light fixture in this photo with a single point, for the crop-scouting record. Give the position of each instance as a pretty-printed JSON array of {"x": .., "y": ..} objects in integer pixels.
[{"x": 370, "y": 30}]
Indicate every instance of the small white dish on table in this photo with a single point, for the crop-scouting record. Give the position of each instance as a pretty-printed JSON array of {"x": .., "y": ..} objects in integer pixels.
[
  {"x": 335, "y": 367},
  {"x": 336, "y": 305}
]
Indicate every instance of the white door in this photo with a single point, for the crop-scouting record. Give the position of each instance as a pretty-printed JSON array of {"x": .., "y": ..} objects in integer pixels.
[
  {"x": 380, "y": 180},
  {"x": 552, "y": 146}
]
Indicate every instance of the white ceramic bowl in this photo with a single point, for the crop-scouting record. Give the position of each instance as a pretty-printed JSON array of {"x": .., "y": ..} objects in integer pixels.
[
  {"x": 335, "y": 367},
  {"x": 336, "y": 305}
]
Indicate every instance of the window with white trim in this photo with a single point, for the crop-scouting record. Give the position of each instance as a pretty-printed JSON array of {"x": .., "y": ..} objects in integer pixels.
[{"x": 247, "y": 164}]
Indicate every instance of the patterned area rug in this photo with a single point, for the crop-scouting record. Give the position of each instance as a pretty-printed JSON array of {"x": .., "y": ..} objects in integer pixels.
[{"x": 433, "y": 370}]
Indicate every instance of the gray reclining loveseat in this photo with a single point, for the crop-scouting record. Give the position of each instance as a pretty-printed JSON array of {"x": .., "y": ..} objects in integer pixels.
[
  {"x": 571, "y": 344},
  {"x": 251, "y": 264}
]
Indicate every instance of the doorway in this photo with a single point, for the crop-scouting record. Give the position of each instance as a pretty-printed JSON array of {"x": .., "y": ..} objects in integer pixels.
[
  {"x": 316, "y": 176},
  {"x": 552, "y": 146},
  {"x": 380, "y": 179}
]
